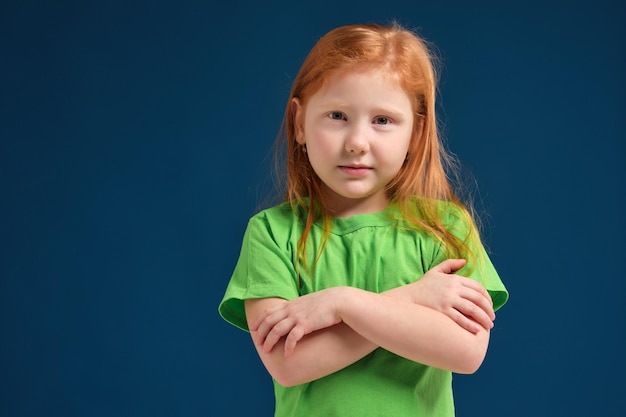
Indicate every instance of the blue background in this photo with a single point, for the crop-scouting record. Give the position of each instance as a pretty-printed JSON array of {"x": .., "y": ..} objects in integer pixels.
[{"x": 136, "y": 141}]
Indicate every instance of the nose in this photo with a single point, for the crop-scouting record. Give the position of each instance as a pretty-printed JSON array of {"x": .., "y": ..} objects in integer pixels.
[{"x": 357, "y": 140}]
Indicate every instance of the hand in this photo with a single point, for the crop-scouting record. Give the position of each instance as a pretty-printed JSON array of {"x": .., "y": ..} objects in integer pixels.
[
  {"x": 462, "y": 299},
  {"x": 297, "y": 318}
]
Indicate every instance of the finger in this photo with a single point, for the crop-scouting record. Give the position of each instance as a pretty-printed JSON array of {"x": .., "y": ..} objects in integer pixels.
[
  {"x": 480, "y": 299},
  {"x": 464, "y": 321},
  {"x": 450, "y": 265},
  {"x": 279, "y": 330},
  {"x": 476, "y": 286},
  {"x": 262, "y": 329},
  {"x": 267, "y": 325},
  {"x": 296, "y": 334},
  {"x": 257, "y": 323},
  {"x": 477, "y": 314},
  {"x": 267, "y": 312}
]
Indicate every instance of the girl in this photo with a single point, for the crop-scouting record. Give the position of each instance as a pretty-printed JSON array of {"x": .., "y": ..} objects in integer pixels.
[{"x": 368, "y": 286}]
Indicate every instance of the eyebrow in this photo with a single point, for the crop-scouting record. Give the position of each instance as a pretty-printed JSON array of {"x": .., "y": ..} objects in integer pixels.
[{"x": 391, "y": 111}]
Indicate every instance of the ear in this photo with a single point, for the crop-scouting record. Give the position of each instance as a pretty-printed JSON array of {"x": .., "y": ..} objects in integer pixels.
[{"x": 298, "y": 119}]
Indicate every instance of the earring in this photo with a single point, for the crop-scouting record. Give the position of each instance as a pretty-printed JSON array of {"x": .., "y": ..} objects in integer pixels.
[{"x": 303, "y": 147}]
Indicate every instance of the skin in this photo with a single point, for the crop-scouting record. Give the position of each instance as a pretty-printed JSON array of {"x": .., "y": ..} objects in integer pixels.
[
  {"x": 357, "y": 130},
  {"x": 317, "y": 334}
]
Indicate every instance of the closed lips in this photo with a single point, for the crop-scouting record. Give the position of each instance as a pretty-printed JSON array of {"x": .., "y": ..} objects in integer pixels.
[{"x": 355, "y": 169}]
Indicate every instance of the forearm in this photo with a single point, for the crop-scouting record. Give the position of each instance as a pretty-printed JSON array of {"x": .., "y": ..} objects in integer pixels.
[
  {"x": 391, "y": 320},
  {"x": 413, "y": 331},
  {"x": 318, "y": 354}
]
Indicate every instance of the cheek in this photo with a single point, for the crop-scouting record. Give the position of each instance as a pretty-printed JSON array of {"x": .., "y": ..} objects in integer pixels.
[
  {"x": 396, "y": 163},
  {"x": 395, "y": 154},
  {"x": 319, "y": 152},
  {"x": 318, "y": 143},
  {"x": 319, "y": 157}
]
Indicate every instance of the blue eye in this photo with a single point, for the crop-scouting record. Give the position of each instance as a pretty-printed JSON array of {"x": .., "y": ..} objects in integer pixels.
[
  {"x": 382, "y": 120},
  {"x": 336, "y": 115}
]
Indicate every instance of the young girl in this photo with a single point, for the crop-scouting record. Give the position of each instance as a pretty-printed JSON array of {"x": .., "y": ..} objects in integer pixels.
[{"x": 368, "y": 286}]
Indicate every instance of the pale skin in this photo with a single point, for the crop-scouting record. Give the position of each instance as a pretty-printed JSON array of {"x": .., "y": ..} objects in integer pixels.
[
  {"x": 357, "y": 131},
  {"x": 442, "y": 320}
]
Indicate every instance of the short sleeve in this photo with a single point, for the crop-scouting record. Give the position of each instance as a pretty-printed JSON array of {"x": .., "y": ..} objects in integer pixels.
[
  {"x": 264, "y": 269},
  {"x": 479, "y": 267}
]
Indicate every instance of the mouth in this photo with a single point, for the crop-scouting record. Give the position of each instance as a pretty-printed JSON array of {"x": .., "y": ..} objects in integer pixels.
[{"x": 355, "y": 170}]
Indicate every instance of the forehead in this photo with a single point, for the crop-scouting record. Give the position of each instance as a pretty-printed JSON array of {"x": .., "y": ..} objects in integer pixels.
[
  {"x": 374, "y": 73},
  {"x": 365, "y": 87}
]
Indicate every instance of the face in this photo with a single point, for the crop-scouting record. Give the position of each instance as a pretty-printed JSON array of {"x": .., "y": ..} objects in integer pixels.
[{"x": 357, "y": 129}]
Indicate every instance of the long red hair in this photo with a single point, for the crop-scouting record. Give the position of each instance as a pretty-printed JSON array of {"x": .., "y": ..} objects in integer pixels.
[{"x": 423, "y": 182}]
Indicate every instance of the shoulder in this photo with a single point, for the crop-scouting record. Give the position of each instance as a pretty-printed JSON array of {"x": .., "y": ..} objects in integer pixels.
[
  {"x": 446, "y": 213},
  {"x": 282, "y": 216},
  {"x": 278, "y": 224},
  {"x": 455, "y": 215},
  {"x": 280, "y": 213}
]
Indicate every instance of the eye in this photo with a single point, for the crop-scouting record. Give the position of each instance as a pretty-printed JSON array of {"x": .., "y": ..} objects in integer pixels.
[
  {"x": 336, "y": 115},
  {"x": 381, "y": 120}
]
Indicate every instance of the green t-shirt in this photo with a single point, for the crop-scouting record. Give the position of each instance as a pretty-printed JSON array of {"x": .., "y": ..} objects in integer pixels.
[{"x": 367, "y": 251}]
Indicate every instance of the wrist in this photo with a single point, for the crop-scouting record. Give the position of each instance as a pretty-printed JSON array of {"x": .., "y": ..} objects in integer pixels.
[
  {"x": 345, "y": 299},
  {"x": 402, "y": 293}
]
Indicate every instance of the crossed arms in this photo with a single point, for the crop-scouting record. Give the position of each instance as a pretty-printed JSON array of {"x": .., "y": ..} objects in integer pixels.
[{"x": 442, "y": 320}]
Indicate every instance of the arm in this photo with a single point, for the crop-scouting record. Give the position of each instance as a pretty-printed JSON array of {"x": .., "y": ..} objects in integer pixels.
[
  {"x": 335, "y": 345},
  {"x": 319, "y": 354},
  {"x": 413, "y": 331}
]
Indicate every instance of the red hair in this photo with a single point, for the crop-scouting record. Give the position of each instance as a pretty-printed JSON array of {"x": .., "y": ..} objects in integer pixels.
[{"x": 423, "y": 181}]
